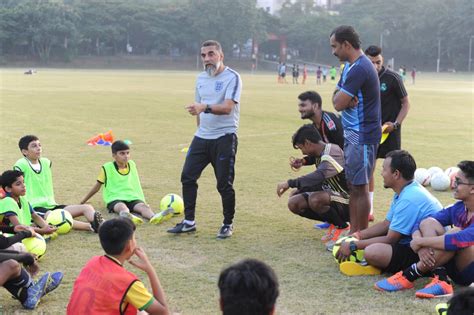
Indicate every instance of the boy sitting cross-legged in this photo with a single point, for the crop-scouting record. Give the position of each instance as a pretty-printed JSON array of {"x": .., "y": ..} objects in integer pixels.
[
  {"x": 39, "y": 186},
  {"x": 123, "y": 192}
]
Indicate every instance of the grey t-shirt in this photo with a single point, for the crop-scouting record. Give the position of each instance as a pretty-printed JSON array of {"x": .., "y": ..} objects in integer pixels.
[{"x": 214, "y": 90}]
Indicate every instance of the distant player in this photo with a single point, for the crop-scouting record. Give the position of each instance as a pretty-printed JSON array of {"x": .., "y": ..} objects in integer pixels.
[
  {"x": 333, "y": 73},
  {"x": 395, "y": 107},
  {"x": 319, "y": 73},
  {"x": 305, "y": 73},
  {"x": 357, "y": 95}
]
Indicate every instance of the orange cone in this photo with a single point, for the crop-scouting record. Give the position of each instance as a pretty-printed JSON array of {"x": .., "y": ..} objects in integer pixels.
[
  {"x": 108, "y": 136},
  {"x": 93, "y": 140}
]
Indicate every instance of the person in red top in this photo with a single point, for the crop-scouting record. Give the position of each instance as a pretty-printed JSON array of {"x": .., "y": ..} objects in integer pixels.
[{"x": 104, "y": 286}]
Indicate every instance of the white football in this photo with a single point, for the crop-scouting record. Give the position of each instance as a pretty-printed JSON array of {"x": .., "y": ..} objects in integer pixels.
[
  {"x": 422, "y": 176},
  {"x": 440, "y": 182},
  {"x": 433, "y": 170},
  {"x": 452, "y": 172}
]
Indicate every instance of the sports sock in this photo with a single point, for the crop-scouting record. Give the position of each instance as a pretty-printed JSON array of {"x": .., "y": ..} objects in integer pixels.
[
  {"x": 310, "y": 214},
  {"x": 189, "y": 222},
  {"x": 333, "y": 217},
  {"x": 412, "y": 273},
  {"x": 442, "y": 274},
  {"x": 17, "y": 287},
  {"x": 371, "y": 196}
]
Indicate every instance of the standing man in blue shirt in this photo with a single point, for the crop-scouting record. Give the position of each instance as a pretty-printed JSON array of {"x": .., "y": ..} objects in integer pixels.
[
  {"x": 357, "y": 96},
  {"x": 217, "y": 108}
]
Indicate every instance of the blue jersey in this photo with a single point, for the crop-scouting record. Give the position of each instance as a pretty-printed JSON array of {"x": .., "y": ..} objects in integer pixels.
[
  {"x": 362, "y": 124},
  {"x": 456, "y": 215},
  {"x": 413, "y": 204},
  {"x": 210, "y": 90}
]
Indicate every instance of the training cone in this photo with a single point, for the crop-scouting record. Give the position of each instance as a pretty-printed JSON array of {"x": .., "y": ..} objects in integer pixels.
[
  {"x": 93, "y": 140},
  {"x": 108, "y": 136}
]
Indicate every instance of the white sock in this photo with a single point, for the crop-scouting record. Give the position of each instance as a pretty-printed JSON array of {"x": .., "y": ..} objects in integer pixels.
[
  {"x": 371, "y": 197},
  {"x": 189, "y": 222}
]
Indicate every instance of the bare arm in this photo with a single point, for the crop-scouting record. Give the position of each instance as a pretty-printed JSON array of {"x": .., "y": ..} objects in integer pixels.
[
  {"x": 436, "y": 242},
  {"x": 92, "y": 192},
  {"x": 375, "y": 230},
  {"x": 342, "y": 101},
  {"x": 404, "y": 110},
  {"x": 159, "y": 305},
  {"x": 392, "y": 237},
  {"x": 44, "y": 227}
]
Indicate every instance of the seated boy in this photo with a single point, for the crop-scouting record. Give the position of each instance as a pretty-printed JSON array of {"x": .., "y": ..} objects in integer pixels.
[
  {"x": 15, "y": 208},
  {"x": 104, "y": 286},
  {"x": 122, "y": 189},
  {"x": 442, "y": 254},
  {"x": 15, "y": 278},
  {"x": 323, "y": 194},
  {"x": 387, "y": 243},
  {"x": 39, "y": 186}
]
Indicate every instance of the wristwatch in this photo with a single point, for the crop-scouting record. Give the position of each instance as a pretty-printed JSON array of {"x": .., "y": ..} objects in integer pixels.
[
  {"x": 208, "y": 109},
  {"x": 352, "y": 246},
  {"x": 396, "y": 125}
]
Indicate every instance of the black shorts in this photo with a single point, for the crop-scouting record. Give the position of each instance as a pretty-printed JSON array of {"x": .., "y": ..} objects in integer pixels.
[
  {"x": 283, "y": 75},
  {"x": 393, "y": 142},
  {"x": 402, "y": 257},
  {"x": 465, "y": 277},
  {"x": 341, "y": 208},
  {"x": 42, "y": 211},
  {"x": 130, "y": 204}
]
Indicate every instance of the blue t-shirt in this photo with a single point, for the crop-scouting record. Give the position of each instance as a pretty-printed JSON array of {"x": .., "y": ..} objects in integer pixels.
[
  {"x": 407, "y": 210},
  {"x": 362, "y": 124},
  {"x": 210, "y": 90}
]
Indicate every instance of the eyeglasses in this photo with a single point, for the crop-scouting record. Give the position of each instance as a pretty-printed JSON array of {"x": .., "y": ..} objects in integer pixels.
[{"x": 457, "y": 182}]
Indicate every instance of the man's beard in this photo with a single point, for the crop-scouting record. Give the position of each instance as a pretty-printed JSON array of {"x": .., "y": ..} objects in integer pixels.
[
  {"x": 212, "y": 69},
  {"x": 307, "y": 115}
]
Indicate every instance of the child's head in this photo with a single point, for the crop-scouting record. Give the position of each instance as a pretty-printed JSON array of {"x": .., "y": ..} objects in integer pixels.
[
  {"x": 12, "y": 182},
  {"x": 120, "y": 151},
  {"x": 30, "y": 147},
  {"x": 117, "y": 236}
]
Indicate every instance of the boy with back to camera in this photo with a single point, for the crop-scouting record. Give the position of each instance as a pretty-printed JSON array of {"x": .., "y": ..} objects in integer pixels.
[
  {"x": 104, "y": 286},
  {"x": 39, "y": 186},
  {"x": 123, "y": 192}
]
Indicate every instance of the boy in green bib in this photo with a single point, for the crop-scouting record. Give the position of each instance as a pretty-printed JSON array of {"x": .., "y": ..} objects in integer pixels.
[
  {"x": 39, "y": 186},
  {"x": 122, "y": 191},
  {"x": 15, "y": 208}
]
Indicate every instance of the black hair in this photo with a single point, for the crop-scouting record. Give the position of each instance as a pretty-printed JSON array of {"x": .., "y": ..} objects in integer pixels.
[
  {"x": 467, "y": 167},
  {"x": 119, "y": 145},
  {"x": 114, "y": 235},
  {"x": 346, "y": 33},
  {"x": 462, "y": 303},
  {"x": 306, "y": 132},
  {"x": 313, "y": 96},
  {"x": 373, "y": 51},
  {"x": 25, "y": 141},
  {"x": 249, "y": 287},
  {"x": 402, "y": 161},
  {"x": 9, "y": 177}
]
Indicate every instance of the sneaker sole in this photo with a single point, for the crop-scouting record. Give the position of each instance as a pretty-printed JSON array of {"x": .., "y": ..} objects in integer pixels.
[
  {"x": 431, "y": 296},
  {"x": 354, "y": 269}
]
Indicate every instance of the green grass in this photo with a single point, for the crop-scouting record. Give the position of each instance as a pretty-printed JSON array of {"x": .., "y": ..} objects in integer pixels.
[{"x": 66, "y": 107}]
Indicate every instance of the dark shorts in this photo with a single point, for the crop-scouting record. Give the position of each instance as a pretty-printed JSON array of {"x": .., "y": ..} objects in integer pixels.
[
  {"x": 338, "y": 204},
  {"x": 130, "y": 204},
  {"x": 360, "y": 162},
  {"x": 283, "y": 75},
  {"x": 402, "y": 257},
  {"x": 42, "y": 211},
  {"x": 465, "y": 277},
  {"x": 393, "y": 142}
]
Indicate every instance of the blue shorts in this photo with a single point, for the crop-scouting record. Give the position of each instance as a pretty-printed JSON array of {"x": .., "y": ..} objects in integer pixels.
[{"x": 360, "y": 162}]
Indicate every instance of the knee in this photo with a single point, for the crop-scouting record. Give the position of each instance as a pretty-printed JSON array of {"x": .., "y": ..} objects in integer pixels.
[
  {"x": 293, "y": 206},
  {"x": 373, "y": 255},
  {"x": 13, "y": 266},
  {"x": 187, "y": 179}
]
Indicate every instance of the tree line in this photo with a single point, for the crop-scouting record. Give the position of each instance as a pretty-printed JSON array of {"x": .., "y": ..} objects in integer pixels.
[{"x": 410, "y": 31}]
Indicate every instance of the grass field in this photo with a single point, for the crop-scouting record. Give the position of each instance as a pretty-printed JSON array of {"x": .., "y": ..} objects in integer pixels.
[{"x": 66, "y": 107}]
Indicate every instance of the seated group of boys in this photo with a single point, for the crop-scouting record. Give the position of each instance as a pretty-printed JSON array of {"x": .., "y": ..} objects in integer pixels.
[
  {"x": 29, "y": 199},
  {"x": 417, "y": 238}
]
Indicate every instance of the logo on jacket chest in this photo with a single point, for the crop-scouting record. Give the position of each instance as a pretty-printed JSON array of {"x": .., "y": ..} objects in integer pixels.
[
  {"x": 383, "y": 87},
  {"x": 219, "y": 86}
]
